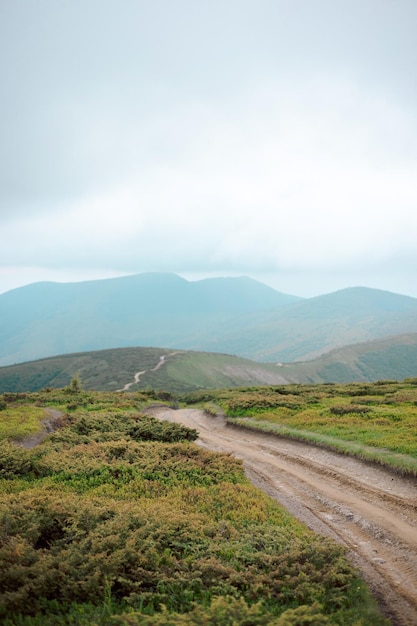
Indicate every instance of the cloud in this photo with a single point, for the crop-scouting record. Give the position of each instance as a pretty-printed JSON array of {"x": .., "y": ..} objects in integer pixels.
[
  {"x": 271, "y": 140},
  {"x": 311, "y": 178}
]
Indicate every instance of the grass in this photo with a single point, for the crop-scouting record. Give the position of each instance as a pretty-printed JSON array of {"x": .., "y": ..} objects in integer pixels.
[
  {"x": 17, "y": 422},
  {"x": 118, "y": 518},
  {"x": 184, "y": 371},
  {"x": 403, "y": 463},
  {"x": 373, "y": 421},
  {"x": 109, "y": 370}
]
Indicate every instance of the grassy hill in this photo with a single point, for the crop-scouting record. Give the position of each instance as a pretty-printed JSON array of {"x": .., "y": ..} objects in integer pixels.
[
  {"x": 113, "y": 369},
  {"x": 392, "y": 358},
  {"x": 373, "y": 421},
  {"x": 181, "y": 370}
]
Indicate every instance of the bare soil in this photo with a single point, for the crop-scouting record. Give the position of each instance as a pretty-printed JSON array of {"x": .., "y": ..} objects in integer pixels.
[
  {"x": 370, "y": 510},
  {"x": 54, "y": 419}
]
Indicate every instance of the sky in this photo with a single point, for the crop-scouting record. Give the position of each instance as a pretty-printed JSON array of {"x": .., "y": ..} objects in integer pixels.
[{"x": 275, "y": 139}]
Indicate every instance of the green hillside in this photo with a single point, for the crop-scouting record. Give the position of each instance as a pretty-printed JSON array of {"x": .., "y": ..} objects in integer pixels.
[
  {"x": 113, "y": 369},
  {"x": 180, "y": 371},
  {"x": 392, "y": 358},
  {"x": 373, "y": 421}
]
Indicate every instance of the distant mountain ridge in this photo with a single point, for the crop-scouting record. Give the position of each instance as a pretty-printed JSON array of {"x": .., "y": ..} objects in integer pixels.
[
  {"x": 314, "y": 326},
  {"x": 44, "y": 319},
  {"x": 227, "y": 315}
]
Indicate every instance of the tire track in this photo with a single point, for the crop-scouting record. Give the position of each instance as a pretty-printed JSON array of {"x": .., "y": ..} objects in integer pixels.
[{"x": 370, "y": 510}]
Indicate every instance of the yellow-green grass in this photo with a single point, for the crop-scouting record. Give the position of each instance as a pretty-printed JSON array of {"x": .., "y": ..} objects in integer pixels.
[
  {"x": 402, "y": 463},
  {"x": 393, "y": 429},
  {"x": 374, "y": 421},
  {"x": 18, "y": 422},
  {"x": 98, "y": 526}
]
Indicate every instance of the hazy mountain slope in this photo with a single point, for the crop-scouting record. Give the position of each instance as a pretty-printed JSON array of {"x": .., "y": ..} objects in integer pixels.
[
  {"x": 392, "y": 358},
  {"x": 314, "y": 326},
  {"x": 389, "y": 358},
  {"x": 227, "y": 315},
  {"x": 147, "y": 309},
  {"x": 113, "y": 369}
]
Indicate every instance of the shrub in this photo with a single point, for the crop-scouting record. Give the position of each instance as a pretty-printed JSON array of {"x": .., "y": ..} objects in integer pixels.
[
  {"x": 14, "y": 460},
  {"x": 150, "y": 429},
  {"x": 345, "y": 409}
]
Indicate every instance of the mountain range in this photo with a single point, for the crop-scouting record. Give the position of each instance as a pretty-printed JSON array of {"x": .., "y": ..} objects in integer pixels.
[
  {"x": 45, "y": 319},
  {"x": 238, "y": 316}
]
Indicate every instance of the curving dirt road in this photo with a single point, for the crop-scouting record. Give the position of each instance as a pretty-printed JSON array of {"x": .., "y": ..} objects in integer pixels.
[
  {"x": 370, "y": 510},
  {"x": 137, "y": 376}
]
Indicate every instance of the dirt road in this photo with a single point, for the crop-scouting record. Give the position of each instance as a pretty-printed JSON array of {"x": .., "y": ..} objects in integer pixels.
[
  {"x": 370, "y": 510},
  {"x": 137, "y": 376}
]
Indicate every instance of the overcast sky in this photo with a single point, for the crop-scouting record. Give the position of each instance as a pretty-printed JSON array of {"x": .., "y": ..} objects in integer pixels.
[{"x": 271, "y": 138}]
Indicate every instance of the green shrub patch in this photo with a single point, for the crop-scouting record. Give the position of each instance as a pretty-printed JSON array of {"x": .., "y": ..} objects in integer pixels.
[{"x": 120, "y": 519}]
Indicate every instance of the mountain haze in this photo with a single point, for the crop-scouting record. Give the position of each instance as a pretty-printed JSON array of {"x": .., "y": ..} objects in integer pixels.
[
  {"x": 237, "y": 316},
  {"x": 314, "y": 326},
  {"x": 45, "y": 319},
  {"x": 392, "y": 358}
]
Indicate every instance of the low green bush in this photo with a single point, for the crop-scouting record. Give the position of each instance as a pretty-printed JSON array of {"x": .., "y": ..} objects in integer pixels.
[{"x": 118, "y": 518}]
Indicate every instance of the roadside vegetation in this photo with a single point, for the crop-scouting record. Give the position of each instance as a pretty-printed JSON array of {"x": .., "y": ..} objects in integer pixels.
[
  {"x": 374, "y": 421},
  {"x": 120, "y": 519}
]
